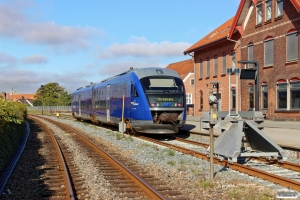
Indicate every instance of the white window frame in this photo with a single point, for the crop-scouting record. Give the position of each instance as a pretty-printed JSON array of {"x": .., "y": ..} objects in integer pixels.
[
  {"x": 215, "y": 66},
  {"x": 259, "y": 16},
  {"x": 269, "y": 52},
  {"x": 207, "y": 68},
  {"x": 200, "y": 69},
  {"x": 189, "y": 99},
  {"x": 268, "y": 16},
  {"x": 292, "y": 47},
  {"x": 224, "y": 64},
  {"x": 250, "y": 55},
  {"x": 192, "y": 81},
  {"x": 279, "y": 8}
]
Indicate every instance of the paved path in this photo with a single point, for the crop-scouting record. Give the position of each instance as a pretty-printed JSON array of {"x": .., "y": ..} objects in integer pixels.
[{"x": 285, "y": 133}]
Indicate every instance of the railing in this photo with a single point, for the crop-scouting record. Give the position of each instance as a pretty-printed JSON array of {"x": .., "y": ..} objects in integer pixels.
[{"x": 51, "y": 108}]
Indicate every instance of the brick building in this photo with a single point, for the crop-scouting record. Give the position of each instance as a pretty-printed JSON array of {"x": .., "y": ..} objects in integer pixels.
[
  {"x": 213, "y": 56},
  {"x": 186, "y": 71},
  {"x": 269, "y": 35},
  {"x": 264, "y": 32}
]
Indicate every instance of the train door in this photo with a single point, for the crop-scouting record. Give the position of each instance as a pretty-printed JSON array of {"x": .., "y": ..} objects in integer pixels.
[
  {"x": 79, "y": 104},
  {"x": 133, "y": 101},
  {"x": 108, "y": 103}
]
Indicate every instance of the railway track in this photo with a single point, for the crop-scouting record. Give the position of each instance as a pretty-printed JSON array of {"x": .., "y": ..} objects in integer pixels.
[
  {"x": 57, "y": 176},
  {"x": 259, "y": 167},
  {"x": 125, "y": 178}
]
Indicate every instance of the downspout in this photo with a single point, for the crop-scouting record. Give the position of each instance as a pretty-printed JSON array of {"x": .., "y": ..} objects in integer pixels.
[{"x": 236, "y": 41}]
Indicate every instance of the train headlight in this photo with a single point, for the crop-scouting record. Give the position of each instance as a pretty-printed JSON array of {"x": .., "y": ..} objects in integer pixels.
[
  {"x": 179, "y": 104},
  {"x": 152, "y": 104},
  {"x": 157, "y": 104}
]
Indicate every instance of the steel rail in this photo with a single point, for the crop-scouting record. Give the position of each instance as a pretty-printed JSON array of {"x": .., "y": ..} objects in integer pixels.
[
  {"x": 66, "y": 177},
  {"x": 235, "y": 166},
  {"x": 285, "y": 165},
  {"x": 152, "y": 192}
]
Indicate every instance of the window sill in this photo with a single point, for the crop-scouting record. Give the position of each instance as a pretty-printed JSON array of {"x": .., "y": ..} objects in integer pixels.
[
  {"x": 288, "y": 111},
  {"x": 265, "y": 67},
  {"x": 278, "y": 17},
  {"x": 268, "y": 22},
  {"x": 291, "y": 62},
  {"x": 258, "y": 25}
]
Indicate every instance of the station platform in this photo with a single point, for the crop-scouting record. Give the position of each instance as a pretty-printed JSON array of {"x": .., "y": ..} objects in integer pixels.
[{"x": 283, "y": 133}]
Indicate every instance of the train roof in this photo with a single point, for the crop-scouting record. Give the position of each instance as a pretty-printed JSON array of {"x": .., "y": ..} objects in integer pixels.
[
  {"x": 140, "y": 73},
  {"x": 145, "y": 72}
]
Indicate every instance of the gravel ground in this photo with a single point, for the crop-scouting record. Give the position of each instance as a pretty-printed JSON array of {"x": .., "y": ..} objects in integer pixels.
[
  {"x": 183, "y": 172},
  {"x": 190, "y": 175}
]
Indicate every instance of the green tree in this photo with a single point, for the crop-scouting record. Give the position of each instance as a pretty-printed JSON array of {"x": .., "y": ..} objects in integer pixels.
[{"x": 52, "y": 95}]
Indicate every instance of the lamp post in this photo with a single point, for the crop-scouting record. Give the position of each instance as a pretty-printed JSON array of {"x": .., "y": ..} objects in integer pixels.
[
  {"x": 42, "y": 89},
  {"x": 256, "y": 80}
]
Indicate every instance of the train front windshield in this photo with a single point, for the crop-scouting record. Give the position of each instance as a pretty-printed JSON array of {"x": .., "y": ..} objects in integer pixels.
[{"x": 164, "y": 91}]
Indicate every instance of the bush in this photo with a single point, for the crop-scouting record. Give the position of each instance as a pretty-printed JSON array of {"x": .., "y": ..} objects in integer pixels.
[{"x": 12, "y": 127}]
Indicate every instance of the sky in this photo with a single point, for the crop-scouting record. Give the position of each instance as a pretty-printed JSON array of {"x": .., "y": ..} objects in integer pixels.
[{"x": 76, "y": 42}]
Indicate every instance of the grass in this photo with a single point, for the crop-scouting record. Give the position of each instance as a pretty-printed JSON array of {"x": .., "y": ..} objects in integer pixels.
[
  {"x": 250, "y": 193},
  {"x": 130, "y": 138},
  {"x": 119, "y": 136},
  {"x": 171, "y": 162},
  {"x": 171, "y": 152}
]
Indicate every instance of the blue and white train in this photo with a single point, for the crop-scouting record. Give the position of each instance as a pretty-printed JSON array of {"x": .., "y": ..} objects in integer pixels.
[{"x": 148, "y": 100}]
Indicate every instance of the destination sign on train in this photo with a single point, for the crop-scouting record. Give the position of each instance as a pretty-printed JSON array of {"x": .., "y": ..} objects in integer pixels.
[{"x": 164, "y": 99}]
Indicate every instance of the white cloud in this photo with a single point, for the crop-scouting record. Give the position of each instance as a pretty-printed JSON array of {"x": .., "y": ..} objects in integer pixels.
[
  {"x": 15, "y": 24},
  {"x": 141, "y": 47},
  {"x": 28, "y": 81},
  {"x": 35, "y": 59},
  {"x": 7, "y": 59}
]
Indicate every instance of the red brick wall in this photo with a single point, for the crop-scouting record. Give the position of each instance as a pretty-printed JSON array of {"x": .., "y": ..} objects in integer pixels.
[
  {"x": 277, "y": 28},
  {"x": 224, "y": 47}
]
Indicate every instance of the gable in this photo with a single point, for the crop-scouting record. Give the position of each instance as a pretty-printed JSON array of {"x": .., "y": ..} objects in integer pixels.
[
  {"x": 218, "y": 34},
  {"x": 183, "y": 68}
]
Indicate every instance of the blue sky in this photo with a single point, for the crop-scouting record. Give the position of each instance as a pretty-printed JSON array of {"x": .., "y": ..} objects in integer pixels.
[{"x": 77, "y": 42}]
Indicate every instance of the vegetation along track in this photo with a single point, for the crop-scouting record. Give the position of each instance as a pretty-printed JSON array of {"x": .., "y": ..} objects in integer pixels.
[
  {"x": 126, "y": 179},
  {"x": 266, "y": 174}
]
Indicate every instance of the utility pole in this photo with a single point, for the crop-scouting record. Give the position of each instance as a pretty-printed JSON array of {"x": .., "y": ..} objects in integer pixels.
[{"x": 212, "y": 121}]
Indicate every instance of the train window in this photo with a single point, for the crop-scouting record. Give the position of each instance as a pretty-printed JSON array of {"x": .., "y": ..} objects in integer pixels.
[
  {"x": 134, "y": 92},
  {"x": 162, "y": 84}
]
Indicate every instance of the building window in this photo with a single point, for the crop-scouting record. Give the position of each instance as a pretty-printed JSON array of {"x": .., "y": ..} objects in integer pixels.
[
  {"x": 189, "y": 98},
  {"x": 215, "y": 66},
  {"x": 295, "y": 95},
  {"x": 258, "y": 14},
  {"x": 233, "y": 60},
  {"x": 192, "y": 81},
  {"x": 201, "y": 69},
  {"x": 250, "y": 55},
  {"x": 281, "y": 95},
  {"x": 251, "y": 96},
  {"x": 201, "y": 100},
  {"x": 268, "y": 10},
  {"x": 269, "y": 52},
  {"x": 233, "y": 101},
  {"x": 279, "y": 8},
  {"x": 292, "y": 46},
  {"x": 207, "y": 68},
  {"x": 223, "y": 64},
  {"x": 264, "y": 90}
]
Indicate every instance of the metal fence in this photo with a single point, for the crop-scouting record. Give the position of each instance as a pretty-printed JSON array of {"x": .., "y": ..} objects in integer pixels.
[{"x": 50, "y": 108}]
